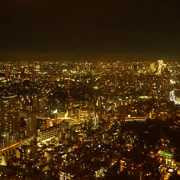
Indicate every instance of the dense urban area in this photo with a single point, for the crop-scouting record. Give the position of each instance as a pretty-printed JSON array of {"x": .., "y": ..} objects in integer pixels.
[{"x": 89, "y": 120}]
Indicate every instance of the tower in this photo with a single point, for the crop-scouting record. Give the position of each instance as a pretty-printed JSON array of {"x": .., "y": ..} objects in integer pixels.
[
  {"x": 160, "y": 64},
  {"x": 9, "y": 119},
  {"x": 152, "y": 67}
]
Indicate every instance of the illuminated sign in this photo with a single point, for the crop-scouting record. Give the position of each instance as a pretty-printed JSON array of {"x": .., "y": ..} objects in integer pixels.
[
  {"x": 165, "y": 154},
  {"x": 170, "y": 170}
]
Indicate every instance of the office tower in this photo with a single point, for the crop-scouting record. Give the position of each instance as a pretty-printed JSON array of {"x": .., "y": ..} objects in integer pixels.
[
  {"x": 9, "y": 119},
  {"x": 27, "y": 122},
  {"x": 160, "y": 64}
]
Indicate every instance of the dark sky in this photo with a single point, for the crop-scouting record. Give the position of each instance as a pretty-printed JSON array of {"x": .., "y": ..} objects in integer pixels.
[{"x": 99, "y": 29}]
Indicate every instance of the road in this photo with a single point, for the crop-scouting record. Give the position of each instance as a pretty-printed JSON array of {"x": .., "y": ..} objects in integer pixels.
[{"x": 16, "y": 144}]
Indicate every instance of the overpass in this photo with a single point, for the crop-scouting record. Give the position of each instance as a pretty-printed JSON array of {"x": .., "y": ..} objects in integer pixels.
[{"x": 11, "y": 149}]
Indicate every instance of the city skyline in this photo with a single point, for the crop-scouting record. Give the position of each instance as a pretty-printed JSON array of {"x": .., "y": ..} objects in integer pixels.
[
  {"x": 89, "y": 30},
  {"x": 89, "y": 120}
]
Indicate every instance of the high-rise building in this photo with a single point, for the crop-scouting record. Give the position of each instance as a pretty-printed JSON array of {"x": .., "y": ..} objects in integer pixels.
[
  {"x": 9, "y": 118},
  {"x": 160, "y": 64},
  {"x": 9, "y": 114},
  {"x": 27, "y": 122},
  {"x": 152, "y": 67}
]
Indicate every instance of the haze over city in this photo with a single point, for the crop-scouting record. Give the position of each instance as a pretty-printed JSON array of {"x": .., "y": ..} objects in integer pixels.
[{"x": 92, "y": 30}]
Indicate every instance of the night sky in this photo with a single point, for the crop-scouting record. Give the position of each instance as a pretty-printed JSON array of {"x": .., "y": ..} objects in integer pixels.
[{"x": 92, "y": 30}]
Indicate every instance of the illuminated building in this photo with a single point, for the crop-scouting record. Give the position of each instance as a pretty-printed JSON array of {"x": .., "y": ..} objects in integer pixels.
[
  {"x": 152, "y": 67},
  {"x": 3, "y": 160},
  {"x": 43, "y": 123},
  {"x": 175, "y": 96},
  {"x": 37, "y": 67},
  {"x": 9, "y": 118},
  {"x": 132, "y": 119},
  {"x": 160, "y": 64},
  {"x": 166, "y": 157},
  {"x": 41, "y": 103},
  {"x": 49, "y": 132},
  {"x": 28, "y": 122}
]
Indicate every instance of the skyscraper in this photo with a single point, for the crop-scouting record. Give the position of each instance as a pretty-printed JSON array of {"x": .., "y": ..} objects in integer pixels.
[
  {"x": 160, "y": 64},
  {"x": 9, "y": 119}
]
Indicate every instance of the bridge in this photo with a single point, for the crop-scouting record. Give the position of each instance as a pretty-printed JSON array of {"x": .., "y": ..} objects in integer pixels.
[{"x": 11, "y": 149}]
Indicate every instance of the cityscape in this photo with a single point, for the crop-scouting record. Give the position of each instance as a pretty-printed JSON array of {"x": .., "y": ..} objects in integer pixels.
[
  {"x": 89, "y": 90},
  {"x": 65, "y": 120}
]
